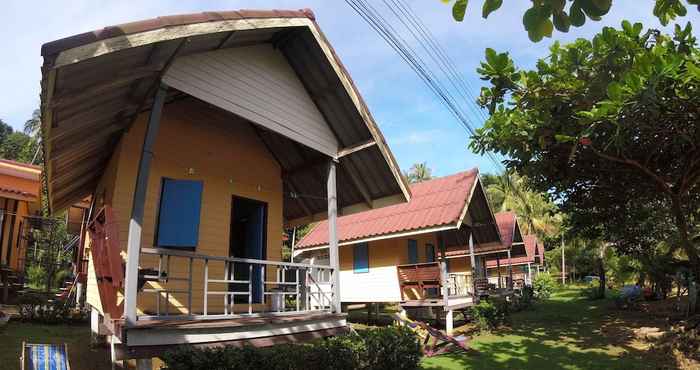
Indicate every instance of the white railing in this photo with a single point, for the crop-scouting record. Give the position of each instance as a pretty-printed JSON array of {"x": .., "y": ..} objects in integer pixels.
[
  {"x": 232, "y": 287},
  {"x": 459, "y": 284}
]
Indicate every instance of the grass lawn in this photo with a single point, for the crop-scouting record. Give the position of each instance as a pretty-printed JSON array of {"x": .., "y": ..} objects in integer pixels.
[
  {"x": 565, "y": 332},
  {"x": 76, "y": 336}
]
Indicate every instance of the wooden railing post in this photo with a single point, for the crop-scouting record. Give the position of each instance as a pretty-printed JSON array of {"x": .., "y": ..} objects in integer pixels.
[
  {"x": 333, "y": 236},
  {"x": 135, "y": 223}
]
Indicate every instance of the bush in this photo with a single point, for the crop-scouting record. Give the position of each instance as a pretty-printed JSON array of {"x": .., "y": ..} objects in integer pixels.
[
  {"x": 543, "y": 286},
  {"x": 36, "y": 307},
  {"x": 523, "y": 299},
  {"x": 380, "y": 348},
  {"x": 394, "y": 347},
  {"x": 36, "y": 276},
  {"x": 489, "y": 315}
]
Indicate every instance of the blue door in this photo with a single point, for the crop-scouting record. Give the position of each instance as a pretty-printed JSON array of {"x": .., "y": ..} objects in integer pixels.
[{"x": 248, "y": 240}]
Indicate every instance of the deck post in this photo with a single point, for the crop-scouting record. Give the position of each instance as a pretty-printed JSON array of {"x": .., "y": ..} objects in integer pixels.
[
  {"x": 333, "y": 236},
  {"x": 472, "y": 260},
  {"x": 498, "y": 267},
  {"x": 449, "y": 322},
  {"x": 133, "y": 247},
  {"x": 510, "y": 271},
  {"x": 443, "y": 272},
  {"x": 529, "y": 273}
]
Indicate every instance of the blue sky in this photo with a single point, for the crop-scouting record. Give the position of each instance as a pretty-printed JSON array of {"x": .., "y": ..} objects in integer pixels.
[{"x": 417, "y": 127}]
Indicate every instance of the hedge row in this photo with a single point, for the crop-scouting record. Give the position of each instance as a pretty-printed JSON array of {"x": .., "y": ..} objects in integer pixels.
[{"x": 386, "y": 348}]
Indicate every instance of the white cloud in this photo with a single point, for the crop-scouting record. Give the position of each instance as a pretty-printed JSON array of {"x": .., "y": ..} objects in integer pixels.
[{"x": 416, "y": 137}]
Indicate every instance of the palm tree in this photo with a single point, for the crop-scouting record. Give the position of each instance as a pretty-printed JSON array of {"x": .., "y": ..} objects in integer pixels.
[
  {"x": 33, "y": 125},
  {"x": 419, "y": 172},
  {"x": 509, "y": 192}
]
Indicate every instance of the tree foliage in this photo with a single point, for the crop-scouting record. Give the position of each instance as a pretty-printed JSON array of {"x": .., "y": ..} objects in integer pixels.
[
  {"x": 608, "y": 126},
  {"x": 510, "y": 192},
  {"x": 22, "y": 146},
  {"x": 544, "y": 16},
  {"x": 419, "y": 172}
]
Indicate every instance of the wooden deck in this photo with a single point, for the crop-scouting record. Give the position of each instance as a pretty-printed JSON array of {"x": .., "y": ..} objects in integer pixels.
[{"x": 260, "y": 331}]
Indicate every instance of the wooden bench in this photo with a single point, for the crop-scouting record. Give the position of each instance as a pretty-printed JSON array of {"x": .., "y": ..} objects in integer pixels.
[{"x": 421, "y": 276}]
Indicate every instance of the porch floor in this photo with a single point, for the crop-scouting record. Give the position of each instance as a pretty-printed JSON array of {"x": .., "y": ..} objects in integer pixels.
[{"x": 149, "y": 338}]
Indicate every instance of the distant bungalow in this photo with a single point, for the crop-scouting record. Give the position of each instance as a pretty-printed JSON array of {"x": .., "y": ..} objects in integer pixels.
[{"x": 407, "y": 253}]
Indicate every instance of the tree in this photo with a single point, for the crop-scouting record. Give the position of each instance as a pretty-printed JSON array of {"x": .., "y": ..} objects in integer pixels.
[
  {"x": 605, "y": 123},
  {"x": 5, "y": 130},
  {"x": 511, "y": 192},
  {"x": 545, "y": 15},
  {"x": 33, "y": 125},
  {"x": 18, "y": 146},
  {"x": 419, "y": 172}
]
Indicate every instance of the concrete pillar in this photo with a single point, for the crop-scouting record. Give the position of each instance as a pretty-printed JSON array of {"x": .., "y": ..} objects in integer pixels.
[
  {"x": 94, "y": 326},
  {"x": 449, "y": 322},
  {"x": 78, "y": 295},
  {"x": 333, "y": 236}
]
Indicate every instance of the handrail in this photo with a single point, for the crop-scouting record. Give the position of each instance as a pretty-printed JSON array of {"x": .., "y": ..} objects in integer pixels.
[
  {"x": 170, "y": 252},
  {"x": 274, "y": 288}
]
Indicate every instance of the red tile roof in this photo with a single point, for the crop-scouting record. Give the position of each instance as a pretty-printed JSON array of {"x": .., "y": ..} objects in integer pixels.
[
  {"x": 19, "y": 180},
  {"x": 531, "y": 244},
  {"x": 506, "y": 226},
  {"x": 437, "y": 202}
]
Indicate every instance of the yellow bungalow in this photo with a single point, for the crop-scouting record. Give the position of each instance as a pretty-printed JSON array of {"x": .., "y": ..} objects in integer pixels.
[
  {"x": 19, "y": 200},
  {"x": 199, "y": 137},
  {"x": 428, "y": 255}
]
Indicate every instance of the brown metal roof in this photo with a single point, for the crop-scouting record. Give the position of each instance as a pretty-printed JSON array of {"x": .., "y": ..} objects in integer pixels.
[{"x": 94, "y": 85}]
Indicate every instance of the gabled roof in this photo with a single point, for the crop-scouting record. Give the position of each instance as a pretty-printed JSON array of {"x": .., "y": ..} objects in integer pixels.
[
  {"x": 435, "y": 204},
  {"x": 509, "y": 228},
  {"x": 19, "y": 181},
  {"x": 94, "y": 84},
  {"x": 532, "y": 248}
]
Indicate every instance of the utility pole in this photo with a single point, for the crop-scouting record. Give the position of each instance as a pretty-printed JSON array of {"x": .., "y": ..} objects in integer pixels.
[{"x": 563, "y": 262}]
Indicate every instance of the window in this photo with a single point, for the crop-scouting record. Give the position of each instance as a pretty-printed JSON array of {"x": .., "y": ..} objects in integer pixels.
[
  {"x": 178, "y": 217},
  {"x": 429, "y": 253},
  {"x": 412, "y": 251},
  {"x": 360, "y": 258}
]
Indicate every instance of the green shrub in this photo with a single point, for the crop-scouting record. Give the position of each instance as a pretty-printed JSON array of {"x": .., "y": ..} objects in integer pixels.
[
  {"x": 36, "y": 307},
  {"x": 394, "y": 347},
  {"x": 380, "y": 348},
  {"x": 36, "y": 275},
  {"x": 489, "y": 314},
  {"x": 523, "y": 299},
  {"x": 543, "y": 286}
]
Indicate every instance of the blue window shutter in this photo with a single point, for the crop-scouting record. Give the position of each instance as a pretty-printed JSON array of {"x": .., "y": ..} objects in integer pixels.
[
  {"x": 361, "y": 257},
  {"x": 429, "y": 253},
  {"x": 412, "y": 251},
  {"x": 178, "y": 217}
]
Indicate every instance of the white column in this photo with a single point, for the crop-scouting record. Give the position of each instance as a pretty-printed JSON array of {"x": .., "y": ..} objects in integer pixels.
[
  {"x": 529, "y": 273},
  {"x": 472, "y": 260},
  {"x": 510, "y": 271},
  {"x": 133, "y": 246},
  {"x": 333, "y": 235},
  {"x": 449, "y": 322},
  {"x": 78, "y": 294},
  {"x": 94, "y": 326}
]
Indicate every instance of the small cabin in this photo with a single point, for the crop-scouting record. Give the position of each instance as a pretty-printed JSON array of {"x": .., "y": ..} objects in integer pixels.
[
  {"x": 198, "y": 139},
  {"x": 499, "y": 266},
  {"x": 524, "y": 268},
  {"x": 19, "y": 201},
  {"x": 427, "y": 254}
]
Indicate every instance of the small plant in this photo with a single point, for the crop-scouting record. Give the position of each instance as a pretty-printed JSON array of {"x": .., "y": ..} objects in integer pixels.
[
  {"x": 488, "y": 315},
  {"x": 388, "y": 348},
  {"x": 543, "y": 286},
  {"x": 36, "y": 276}
]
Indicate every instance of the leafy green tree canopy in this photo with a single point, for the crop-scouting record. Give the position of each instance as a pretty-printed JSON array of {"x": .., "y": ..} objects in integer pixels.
[
  {"x": 619, "y": 113},
  {"x": 545, "y": 15}
]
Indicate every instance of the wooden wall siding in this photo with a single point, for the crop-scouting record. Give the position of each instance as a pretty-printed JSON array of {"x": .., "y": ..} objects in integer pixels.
[
  {"x": 257, "y": 83},
  {"x": 11, "y": 231},
  {"x": 381, "y": 283},
  {"x": 195, "y": 142}
]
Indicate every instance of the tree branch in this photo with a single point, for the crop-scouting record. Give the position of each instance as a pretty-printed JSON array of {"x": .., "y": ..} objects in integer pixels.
[{"x": 635, "y": 164}]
